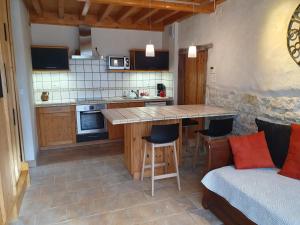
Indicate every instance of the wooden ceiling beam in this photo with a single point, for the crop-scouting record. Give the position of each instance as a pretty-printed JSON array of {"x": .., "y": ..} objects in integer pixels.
[
  {"x": 91, "y": 20},
  {"x": 201, "y": 1},
  {"x": 37, "y": 7},
  {"x": 144, "y": 14},
  {"x": 211, "y": 5},
  {"x": 155, "y": 4},
  {"x": 164, "y": 17},
  {"x": 61, "y": 9},
  {"x": 124, "y": 13},
  {"x": 177, "y": 17},
  {"x": 104, "y": 12},
  {"x": 86, "y": 8}
]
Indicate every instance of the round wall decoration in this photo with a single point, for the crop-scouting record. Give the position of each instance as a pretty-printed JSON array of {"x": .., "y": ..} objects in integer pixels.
[{"x": 293, "y": 36}]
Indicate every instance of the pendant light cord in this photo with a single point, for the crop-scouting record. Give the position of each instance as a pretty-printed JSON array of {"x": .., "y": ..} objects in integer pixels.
[
  {"x": 193, "y": 43},
  {"x": 150, "y": 19}
]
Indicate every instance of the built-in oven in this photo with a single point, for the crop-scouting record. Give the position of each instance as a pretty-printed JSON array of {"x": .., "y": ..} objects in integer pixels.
[{"x": 91, "y": 124}]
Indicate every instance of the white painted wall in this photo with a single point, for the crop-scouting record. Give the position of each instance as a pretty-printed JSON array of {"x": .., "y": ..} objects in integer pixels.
[
  {"x": 42, "y": 34},
  {"x": 22, "y": 43},
  {"x": 119, "y": 41},
  {"x": 250, "y": 50},
  {"x": 108, "y": 41}
]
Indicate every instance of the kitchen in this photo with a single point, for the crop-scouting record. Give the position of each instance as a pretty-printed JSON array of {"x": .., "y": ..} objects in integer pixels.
[
  {"x": 70, "y": 103},
  {"x": 89, "y": 82}
]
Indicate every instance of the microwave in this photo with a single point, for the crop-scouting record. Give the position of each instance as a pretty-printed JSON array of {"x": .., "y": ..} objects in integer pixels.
[{"x": 118, "y": 63}]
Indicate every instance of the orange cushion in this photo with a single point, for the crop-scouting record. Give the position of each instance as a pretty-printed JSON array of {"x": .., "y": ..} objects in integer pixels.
[
  {"x": 291, "y": 166},
  {"x": 251, "y": 151}
]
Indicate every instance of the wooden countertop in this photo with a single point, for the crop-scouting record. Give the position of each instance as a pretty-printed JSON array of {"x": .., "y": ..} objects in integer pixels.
[
  {"x": 144, "y": 114},
  {"x": 104, "y": 101}
]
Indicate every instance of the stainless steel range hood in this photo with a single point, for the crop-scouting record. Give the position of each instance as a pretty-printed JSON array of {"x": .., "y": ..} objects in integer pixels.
[{"x": 85, "y": 43}]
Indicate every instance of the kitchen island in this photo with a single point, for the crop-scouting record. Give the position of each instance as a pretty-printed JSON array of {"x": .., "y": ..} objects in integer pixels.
[{"x": 138, "y": 122}]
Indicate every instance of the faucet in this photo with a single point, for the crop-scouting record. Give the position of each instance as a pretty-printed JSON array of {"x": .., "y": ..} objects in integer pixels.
[{"x": 137, "y": 93}]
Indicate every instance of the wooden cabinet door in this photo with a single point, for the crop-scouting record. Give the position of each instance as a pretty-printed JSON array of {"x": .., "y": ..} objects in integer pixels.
[
  {"x": 57, "y": 126},
  {"x": 192, "y": 77},
  {"x": 192, "y": 80},
  {"x": 117, "y": 131}
]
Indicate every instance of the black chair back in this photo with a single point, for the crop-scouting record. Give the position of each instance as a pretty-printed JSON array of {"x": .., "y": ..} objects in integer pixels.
[
  {"x": 220, "y": 127},
  {"x": 164, "y": 133}
]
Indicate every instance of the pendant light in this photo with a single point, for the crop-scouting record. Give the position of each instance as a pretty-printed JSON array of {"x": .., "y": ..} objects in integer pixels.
[
  {"x": 192, "y": 52},
  {"x": 150, "y": 52}
]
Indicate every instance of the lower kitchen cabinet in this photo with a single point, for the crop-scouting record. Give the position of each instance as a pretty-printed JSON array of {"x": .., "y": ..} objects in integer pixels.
[
  {"x": 56, "y": 125},
  {"x": 117, "y": 131}
]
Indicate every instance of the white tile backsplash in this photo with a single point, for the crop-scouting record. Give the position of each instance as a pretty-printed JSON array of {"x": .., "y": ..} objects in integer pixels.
[
  {"x": 79, "y": 68},
  {"x": 80, "y": 76},
  {"x": 105, "y": 94},
  {"x": 88, "y": 79},
  {"x": 88, "y": 76}
]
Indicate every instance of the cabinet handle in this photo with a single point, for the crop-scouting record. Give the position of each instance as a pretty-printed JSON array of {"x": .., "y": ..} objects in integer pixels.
[
  {"x": 1, "y": 88},
  {"x": 5, "y": 35},
  {"x": 14, "y": 117}
]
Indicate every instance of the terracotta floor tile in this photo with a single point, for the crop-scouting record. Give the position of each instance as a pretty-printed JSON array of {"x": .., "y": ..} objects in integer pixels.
[
  {"x": 51, "y": 216},
  {"x": 204, "y": 217},
  {"x": 86, "y": 188}
]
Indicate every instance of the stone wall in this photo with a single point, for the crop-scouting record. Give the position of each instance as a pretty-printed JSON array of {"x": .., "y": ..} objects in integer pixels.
[{"x": 250, "y": 106}]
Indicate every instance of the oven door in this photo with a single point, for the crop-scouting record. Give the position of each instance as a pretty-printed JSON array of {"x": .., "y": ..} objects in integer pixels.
[{"x": 90, "y": 122}]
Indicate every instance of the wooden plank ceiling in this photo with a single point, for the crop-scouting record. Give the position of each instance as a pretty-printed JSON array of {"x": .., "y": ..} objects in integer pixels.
[{"x": 125, "y": 14}]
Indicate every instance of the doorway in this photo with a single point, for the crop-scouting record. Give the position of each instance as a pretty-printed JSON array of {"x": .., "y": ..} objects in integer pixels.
[{"x": 192, "y": 74}]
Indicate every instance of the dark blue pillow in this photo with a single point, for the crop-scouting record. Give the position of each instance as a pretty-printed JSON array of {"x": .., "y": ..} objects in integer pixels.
[{"x": 278, "y": 140}]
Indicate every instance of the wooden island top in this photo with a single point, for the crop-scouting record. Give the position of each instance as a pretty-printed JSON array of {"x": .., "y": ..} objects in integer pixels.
[{"x": 156, "y": 113}]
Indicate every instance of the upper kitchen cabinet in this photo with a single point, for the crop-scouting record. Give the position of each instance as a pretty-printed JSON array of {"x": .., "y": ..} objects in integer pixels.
[
  {"x": 139, "y": 61},
  {"x": 49, "y": 58}
]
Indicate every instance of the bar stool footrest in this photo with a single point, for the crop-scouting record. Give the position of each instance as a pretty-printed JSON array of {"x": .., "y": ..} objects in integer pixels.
[
  {"x": 163, "y": 176},
  {"x": 155, "y": 165}
]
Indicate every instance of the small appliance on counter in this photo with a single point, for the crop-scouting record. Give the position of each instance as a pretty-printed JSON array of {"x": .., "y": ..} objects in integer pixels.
[
  {"x": 45, "y": 96},
  {"x": 91, "y": 124},
  {"x": 118, "y": 63},
  {"x": 161, "y": 90}
]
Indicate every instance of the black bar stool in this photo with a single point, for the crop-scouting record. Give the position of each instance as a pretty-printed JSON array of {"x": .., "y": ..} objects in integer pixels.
[
  {"x": 161, "y": 136},
  {"x": 187, "y": 123},
  {"x": 218, "y": 127}
]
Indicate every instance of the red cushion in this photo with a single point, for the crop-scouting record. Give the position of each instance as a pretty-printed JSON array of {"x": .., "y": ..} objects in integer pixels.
[
  {"x": 291, "y": 166},
  {"x": 251, "y": 151}
]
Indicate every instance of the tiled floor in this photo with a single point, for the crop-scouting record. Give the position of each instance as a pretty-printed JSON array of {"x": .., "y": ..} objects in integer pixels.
[{"x": 96, "y": 189}]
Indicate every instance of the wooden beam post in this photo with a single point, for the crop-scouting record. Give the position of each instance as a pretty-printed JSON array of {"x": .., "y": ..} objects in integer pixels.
[
  {"x": 177, "y": 17},
  {"x": 37, "y": 7},
  {"x": 144, "y": 14},
  {"x": 61, "y": 9},
  {"x": 86, "y": 8},
  {"x": 104, "y": 12},
  {"x": 162, "y": 18},
  {"x": 124, "y": 13}
]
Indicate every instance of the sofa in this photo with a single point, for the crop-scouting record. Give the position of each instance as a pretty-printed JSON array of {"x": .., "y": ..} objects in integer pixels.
[{"x": 250, "y": 196}]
